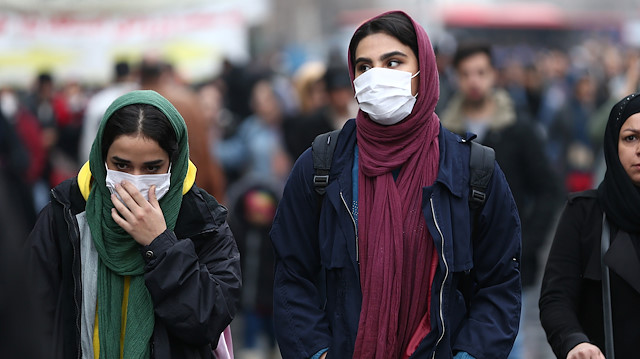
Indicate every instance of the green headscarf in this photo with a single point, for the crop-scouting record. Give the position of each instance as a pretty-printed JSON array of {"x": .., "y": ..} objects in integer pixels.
[{"x": 119, "y": 254}]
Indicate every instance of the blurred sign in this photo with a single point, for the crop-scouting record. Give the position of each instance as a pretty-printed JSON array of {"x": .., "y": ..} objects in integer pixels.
[{"x": 85, "y": 47}]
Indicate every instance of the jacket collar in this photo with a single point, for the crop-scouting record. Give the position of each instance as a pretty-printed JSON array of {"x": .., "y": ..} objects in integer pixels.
[{"x": 504, "y": 115}]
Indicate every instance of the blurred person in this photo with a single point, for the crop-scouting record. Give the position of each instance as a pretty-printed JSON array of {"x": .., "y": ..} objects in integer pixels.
[
  {"x": 444, "y": 50},
  {"x": 14, "y": 166},
  {"x": 23, "y": 154},
  {"x": 482, "y": 109},
  {"x": 310, "y": 87},
  {"x": 571, "y": 301},
  {"x": 257, "y": 148},
  {"x": 130, "y": 258},
  {"x": 341, "y": 106},
  {"x": 372, "y": 268},
  {"x": 238, "y": 80},
  {"x": 156, "y": 76},
  {"x": 76, "y": 100},
  {"x": 573, "y": 153},
  {"x": 122, "y": 83},
  {"x": 253, "y": 203},
  {"x": 555, "y": 90},
  {"x": 50, "y": 109},
  {"x": 20, "y": 334},
  {"x": 533, "y": 90}
]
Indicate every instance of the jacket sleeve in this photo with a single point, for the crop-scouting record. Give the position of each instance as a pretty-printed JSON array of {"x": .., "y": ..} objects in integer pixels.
[
  {"x": 493, "y": 316},
  {"x": 561, "y": 289},
  {"x": 194, "y": 282},
  {"x": 44, "y": 271},
  {"x": 300, "y": 324}
]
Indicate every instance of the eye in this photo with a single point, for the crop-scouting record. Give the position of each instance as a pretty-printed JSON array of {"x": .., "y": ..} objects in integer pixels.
[
  {"x": 363, "y": 68},
  {"x": 630, "y": 138},
  {"x": 153, "y": 168},
  {"x": 120, "y": 166},
  {"x": 393, "y": 63}
]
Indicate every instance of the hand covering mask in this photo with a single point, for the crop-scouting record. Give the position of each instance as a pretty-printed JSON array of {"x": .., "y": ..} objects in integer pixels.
[{"x": 142, "y": 182}]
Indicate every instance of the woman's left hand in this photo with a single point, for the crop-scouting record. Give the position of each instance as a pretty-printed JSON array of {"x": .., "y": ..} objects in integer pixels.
[{"x": 142, "y": 219}]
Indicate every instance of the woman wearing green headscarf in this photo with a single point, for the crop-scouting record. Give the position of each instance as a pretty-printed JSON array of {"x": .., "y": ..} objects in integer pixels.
[{"x": 131, "y": 259}]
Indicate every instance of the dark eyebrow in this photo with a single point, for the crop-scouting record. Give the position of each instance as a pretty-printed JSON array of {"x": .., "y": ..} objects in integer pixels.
[
  {"x": 153, "y": 163},
  {"x": 383, "y": 57},
  {"x": 392, "y": 54},
  {"x": 362, "y": 59},
  {"x": 149, "y": 163},
  {"x": 118, "y": 159}
]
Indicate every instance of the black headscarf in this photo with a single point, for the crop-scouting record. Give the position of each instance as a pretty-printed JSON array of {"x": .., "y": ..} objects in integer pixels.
[{"x": 617, "y": 194}]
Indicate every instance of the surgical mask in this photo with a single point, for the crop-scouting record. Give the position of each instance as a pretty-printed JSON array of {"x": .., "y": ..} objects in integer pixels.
[
  {"x": 141, "y": 182},
  {"x": 385, "y": 94}
]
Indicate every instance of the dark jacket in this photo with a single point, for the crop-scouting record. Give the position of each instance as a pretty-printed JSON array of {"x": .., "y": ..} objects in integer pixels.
[
  {"x": 193, "y": 276},
  {"x": 312, "y": 239},
  {"x": 571, "y": 296}
]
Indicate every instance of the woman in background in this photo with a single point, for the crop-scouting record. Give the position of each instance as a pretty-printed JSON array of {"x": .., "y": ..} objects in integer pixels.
[{"x": 571, "y": 300}]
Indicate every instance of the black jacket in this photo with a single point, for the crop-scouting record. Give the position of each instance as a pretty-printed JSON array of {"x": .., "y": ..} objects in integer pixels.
[
  {"x": 193, "y": 276},
  {"x": 571, "y": 297}
]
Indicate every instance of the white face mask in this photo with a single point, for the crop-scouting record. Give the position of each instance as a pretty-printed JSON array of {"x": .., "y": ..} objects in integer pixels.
[
  {"x": 142, "y": 182},
  {"x": 385, "y": 94}
]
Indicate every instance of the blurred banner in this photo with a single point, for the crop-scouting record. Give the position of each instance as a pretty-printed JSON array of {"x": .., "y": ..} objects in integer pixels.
[{"x": 85, "y": 47}]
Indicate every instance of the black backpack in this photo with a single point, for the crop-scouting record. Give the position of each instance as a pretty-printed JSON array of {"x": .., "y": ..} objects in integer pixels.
[{"x": 481, "y": 164}]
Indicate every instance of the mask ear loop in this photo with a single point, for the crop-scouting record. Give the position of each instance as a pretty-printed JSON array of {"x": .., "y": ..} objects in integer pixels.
[{"x": 412, "y": 77}]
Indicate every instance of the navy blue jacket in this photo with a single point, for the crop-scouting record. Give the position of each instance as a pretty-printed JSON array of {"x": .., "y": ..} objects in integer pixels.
[{"x": 314, "y": 311}]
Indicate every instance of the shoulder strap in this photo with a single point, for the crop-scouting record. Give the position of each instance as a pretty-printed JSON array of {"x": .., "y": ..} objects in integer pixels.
[
  {"x": 605, "y": 241},
  {"x": 322, "y": 149},
  {"x": 481, "y": 163}
]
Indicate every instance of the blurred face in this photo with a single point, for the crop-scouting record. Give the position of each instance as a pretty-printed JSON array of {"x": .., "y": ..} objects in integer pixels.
[
  {"x": 266, "y": 104},
  {"x": 476, "y": 78},
  {"x": 629, "y": 147},
  {"x": 137, "y": 155},
  {"x": 383, "y": 50}
]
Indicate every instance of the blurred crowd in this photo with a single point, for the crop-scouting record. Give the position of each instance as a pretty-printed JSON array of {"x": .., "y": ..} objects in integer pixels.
[{"x": 248, "y": 125}]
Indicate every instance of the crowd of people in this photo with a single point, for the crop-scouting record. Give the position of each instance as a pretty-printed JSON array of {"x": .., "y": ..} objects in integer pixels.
[{"x": 544, "y": 111}]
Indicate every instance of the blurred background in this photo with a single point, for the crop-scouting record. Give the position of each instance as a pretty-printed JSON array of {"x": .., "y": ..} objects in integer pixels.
[{"x": 256, "y": 80}]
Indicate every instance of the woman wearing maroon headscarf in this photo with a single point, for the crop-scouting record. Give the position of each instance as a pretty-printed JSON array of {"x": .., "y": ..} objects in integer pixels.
[{"x": 384, "y": 264}]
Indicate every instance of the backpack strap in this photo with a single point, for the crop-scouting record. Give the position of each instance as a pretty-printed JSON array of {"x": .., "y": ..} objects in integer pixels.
[
  {"x": 322, "y": 149},
  {"x": 481, "y": 163}
]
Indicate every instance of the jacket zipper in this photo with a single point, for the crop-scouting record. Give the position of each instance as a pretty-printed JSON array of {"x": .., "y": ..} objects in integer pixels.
[
  {"x": 355, "y": 227},
  {"x": 72, "y": 224},
  {"x": 446, "y": 274}
]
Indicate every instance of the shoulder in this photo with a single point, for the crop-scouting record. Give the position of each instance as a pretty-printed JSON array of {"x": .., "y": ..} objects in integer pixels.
[
  {"x": 68, "y": 194},
  {"x": 200, "y": 211},
  {"x": 583, "y": 206},
  {"x": 583, "y": 197}
]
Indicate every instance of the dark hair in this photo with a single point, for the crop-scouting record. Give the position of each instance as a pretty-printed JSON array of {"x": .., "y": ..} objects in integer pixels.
[
  {"x": 465, "y": 51},
  {"x": 121, "y": 69},
  {"x": 143, "y": 119},
  {"x": 394, "y": 24}
]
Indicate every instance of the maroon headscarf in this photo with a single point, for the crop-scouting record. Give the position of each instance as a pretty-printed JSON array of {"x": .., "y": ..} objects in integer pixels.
[{"x": 397, "y": 253}]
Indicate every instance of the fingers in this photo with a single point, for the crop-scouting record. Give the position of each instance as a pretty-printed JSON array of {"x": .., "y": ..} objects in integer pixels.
[
  {"x": 152, "y": 196},
  {"x": 130, "y": 194}
]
